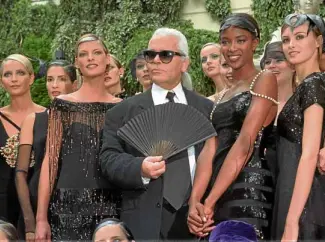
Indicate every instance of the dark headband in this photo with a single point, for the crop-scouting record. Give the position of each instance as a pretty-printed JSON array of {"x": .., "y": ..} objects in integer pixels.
[
  {"x": 272, "y": 51},
  {"x": 295, "y": 20},
  {"x": 319, "y": 22},
  {"x": 242, "y": 22}
]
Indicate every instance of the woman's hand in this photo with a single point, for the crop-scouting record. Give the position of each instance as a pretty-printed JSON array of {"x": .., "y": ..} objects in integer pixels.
[
  {"x": 196, "y": 218},
  {"x": 30, "y": 236},
  {"x": 291, "y": 232},
  {"x": 208, "y": 212},
  {"x": 43, "y": 231},
  {"x": 321, "y": 161}
]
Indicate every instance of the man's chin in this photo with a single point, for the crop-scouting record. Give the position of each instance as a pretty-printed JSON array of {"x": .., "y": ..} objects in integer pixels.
[{"x": 159, "y": 81}]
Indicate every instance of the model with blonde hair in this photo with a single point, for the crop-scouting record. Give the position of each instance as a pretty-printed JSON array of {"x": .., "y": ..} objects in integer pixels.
[
  {"x": 16, "y": 77},
  {"x": 71, "y": 186},
  {"x": 210, "y": 61}
]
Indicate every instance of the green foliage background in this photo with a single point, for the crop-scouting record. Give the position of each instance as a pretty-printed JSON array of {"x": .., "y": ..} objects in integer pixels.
[
  {"x": 219, "y": 9},
  {"x": 125, "y": 25}
]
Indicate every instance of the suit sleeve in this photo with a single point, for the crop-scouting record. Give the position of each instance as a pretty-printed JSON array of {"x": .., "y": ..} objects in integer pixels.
[{"x": 120, "y": 168}]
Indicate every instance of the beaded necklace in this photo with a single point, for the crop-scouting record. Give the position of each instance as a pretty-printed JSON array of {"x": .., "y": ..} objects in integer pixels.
[
  {"x": 223, "y": 92},
  {"x": 220, "y": 97},
  {"x": 258, "y": 94}
]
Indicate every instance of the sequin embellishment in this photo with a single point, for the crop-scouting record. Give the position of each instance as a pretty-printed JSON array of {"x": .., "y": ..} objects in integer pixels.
[{"x": 10, "y": 151}]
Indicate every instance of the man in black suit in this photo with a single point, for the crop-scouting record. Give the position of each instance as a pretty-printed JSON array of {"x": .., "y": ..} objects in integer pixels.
[{"x": 154, "y": 192}]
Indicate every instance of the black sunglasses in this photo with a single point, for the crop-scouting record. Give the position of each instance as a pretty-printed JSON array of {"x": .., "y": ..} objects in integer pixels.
[{"x": 166, "y": 56}]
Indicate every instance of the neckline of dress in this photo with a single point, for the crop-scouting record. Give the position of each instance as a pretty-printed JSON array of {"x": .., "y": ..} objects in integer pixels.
[
  {"x": 295, "y": 91},
  {"x": 86, "y": 103}
]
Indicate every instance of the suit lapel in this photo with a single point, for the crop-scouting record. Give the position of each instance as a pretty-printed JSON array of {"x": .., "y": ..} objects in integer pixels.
[
  {"x": 139, "y": 103},
  {"x": 146, "y": 100},
  {"x": 192, "y": 101},
  {"x": 190, "y": 98}
]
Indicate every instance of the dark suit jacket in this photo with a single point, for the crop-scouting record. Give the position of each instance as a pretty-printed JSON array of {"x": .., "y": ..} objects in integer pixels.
[{"x": 121, "y": 165}]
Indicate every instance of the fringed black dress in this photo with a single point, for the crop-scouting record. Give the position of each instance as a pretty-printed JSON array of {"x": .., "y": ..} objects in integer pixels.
[{"x": 81, "y": 196}]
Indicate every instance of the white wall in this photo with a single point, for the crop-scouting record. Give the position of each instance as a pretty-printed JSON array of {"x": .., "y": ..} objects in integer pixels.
[
  {"x": 195, "y": 10},
  {"x": 44, "y": 1}
]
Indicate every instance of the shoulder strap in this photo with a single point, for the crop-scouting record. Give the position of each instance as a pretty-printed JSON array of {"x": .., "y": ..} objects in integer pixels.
[
  {"x": 258, "y": 94},
  {"x": 255, "y": 79},
  {"x": 9, "y": 121}
]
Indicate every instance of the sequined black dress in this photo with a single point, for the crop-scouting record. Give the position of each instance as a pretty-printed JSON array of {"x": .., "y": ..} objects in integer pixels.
[
  {"x": 250, "y": 197},
  {"x": 81, "y": 197},
  {"x": 289, "y": 149}
]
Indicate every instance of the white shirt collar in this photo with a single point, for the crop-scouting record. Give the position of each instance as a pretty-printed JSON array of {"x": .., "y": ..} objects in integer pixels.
[{"x": 159, "y": 94}]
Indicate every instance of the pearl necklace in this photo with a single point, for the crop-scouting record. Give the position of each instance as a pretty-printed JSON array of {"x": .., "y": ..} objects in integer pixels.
[
  {"x": 223, "y": 92},
  {"x": 258, "y": 94},
  {"x": 220, "y": 97}
]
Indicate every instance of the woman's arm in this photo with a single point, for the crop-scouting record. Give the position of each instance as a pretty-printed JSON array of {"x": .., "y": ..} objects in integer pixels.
[
  {"x": 321, "y": 160},
  {"x": 261, "y": 112},
  {"x": 203, "y": 170},
  {"x": 48, "y": 174},
  {"x": 43, "y": 230},
  {"x": 22, "y": 168},
  {"x": 196, "y": 217},
  {"x": 312, "y": 130}
]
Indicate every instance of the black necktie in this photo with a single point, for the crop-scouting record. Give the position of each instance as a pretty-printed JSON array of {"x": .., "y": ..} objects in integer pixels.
[
  {"x": 177, "y": 178},
  {"x": 170, "y": 96}
]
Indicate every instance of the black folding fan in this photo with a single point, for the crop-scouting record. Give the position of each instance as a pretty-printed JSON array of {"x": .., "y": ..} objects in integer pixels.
[{"x": 166, "y": 129}]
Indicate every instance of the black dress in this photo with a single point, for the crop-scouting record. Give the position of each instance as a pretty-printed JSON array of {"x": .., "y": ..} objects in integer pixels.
[
  {"x": 250, "y": 197},
  {"x": 81, "y": 196},
  {"x": 39, "y": 142},
  {"x": 9, "y": 204},
  {"x": 36, "y": 152},
  {"x": 289, "y": 150}
]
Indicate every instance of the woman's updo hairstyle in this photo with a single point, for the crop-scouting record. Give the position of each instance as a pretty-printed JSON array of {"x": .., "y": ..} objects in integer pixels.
[
  {"x": 114, "y": 221},
  {"x": 21, "y": 59},
  {"x": 242, "y": 21},
  {"x": 315, "y": 25},
  {"x": 9, "y": 230},
  {"x": 89, "y": 38},
  {"x": 69, "y": 69}
]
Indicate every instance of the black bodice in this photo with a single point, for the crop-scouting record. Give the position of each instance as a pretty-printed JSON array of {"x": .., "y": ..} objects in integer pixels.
[
  {"x": 82, "y": 197},
  {"x": 250, "y": 197},
  {"x": 290, "y": 130}
]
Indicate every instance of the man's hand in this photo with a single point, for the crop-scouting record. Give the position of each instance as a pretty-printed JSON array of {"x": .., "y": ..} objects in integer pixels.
[{"x": 153, "y": 167}]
